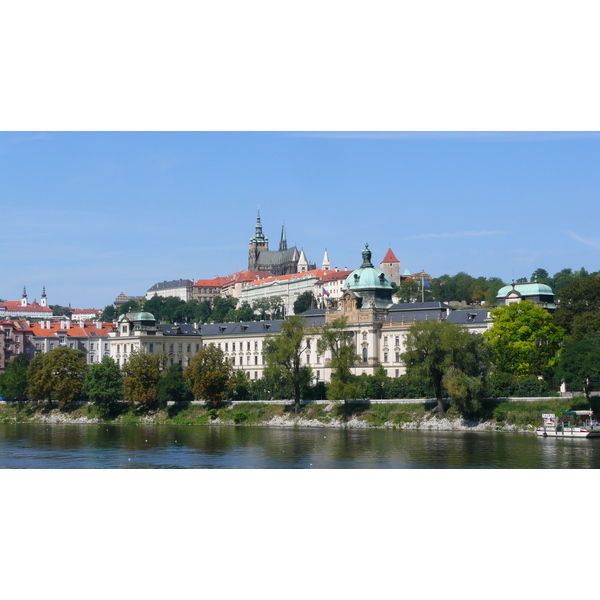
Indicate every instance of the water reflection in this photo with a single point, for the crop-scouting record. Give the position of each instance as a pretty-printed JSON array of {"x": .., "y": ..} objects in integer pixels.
[{"x": 28, "y": 445}]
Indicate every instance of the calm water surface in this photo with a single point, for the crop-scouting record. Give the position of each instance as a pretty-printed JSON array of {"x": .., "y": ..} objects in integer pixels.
[{"x": 70, "y": 446}]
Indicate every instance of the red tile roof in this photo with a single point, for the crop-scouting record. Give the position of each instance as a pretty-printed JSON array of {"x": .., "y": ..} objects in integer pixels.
[
  {"x": 77, "y": 330},
  {"x": 318, "y": 272},
  {"x": 334, "y": 276},
  {"x": 390, "y": 257},
  {"x": 15, "y": 305},
  {"x": 215, "y": 282}
]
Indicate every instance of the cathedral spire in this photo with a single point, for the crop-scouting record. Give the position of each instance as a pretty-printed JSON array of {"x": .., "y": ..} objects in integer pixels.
[
  {"x": 326, "y": 264},
  {"x": 283, "y": 242},
  {"x": 259, "y": 236}
]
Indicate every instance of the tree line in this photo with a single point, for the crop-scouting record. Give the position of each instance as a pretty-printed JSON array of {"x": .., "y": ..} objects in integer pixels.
[{"x": 527, "y": 352}]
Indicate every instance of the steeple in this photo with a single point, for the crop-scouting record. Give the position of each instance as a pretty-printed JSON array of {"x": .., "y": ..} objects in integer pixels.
[
  {"x": 24, "y": 297},
  {"x": 302, "y": 262},
  {"x": 43, "y": 301},
  {"x": 259, "y": 236},
  {"x": 283, "y": 242},
  {"x": 326, "y": 264}
]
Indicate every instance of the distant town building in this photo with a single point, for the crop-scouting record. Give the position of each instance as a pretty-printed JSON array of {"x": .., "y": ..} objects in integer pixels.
[
  {"x": 178, "y": 288},
  {"x": 86, "y": 314},
  {"x": 206, "y": 290},
  {"x": 139, "y": 331},
  {"x": 16, "y": 337},
  {"x": 234, "y": 283},
  {"x": 122, "y": 298},
  {"x": 22, "y": 309},
  {"x": 89, "y": 337},
  {"x": 287, "y": 287}
]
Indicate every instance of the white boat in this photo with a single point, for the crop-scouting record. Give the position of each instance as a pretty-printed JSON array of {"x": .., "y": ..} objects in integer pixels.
[{"x": 573, "y": 424}]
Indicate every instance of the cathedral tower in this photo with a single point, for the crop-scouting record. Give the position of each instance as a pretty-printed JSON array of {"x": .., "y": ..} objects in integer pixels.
[{"x": 258, "y": 243}]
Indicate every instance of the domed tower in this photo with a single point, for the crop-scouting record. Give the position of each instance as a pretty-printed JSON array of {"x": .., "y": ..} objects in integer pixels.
[
  {"x": 535, "y": 292},
  {"x": 371, "y": 287}
]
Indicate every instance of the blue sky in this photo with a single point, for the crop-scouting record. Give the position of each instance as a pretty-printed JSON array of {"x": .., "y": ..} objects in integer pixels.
[{"x": 91, "y": 215}]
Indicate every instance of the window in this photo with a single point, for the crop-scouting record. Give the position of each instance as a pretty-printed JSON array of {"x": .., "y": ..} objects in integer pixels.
[
  {"x": 255, "y": 374},
  {"x": 255, "y": 345},
  {"x": 385, "y": 357},
  {"x": 308, "y": 343},
  {"x": 256, "y": 360},
  {"x": 248, "y": 346},
  {"x": 318, "y": 375},
  {"x": 180, "y": 348},
  {"x": 233, "y": 346},
  {"x": 151, "y": 347},
  {"x": 171, "y": 348},
  {"x": 365, "y": 355},
  {"x": 248, "y": 360},
  {"x": 118, "y": 348},
  {"x": 241, "y": 360},
  {"x": 318, "y": 359},
  {"x": 397, "y": 340},
  {"x": 72, "y": 345},
  {"x": 106, "y": 347},
  {"x": 307, "y": 358},
  {"x": 226, "y": 347},
  {"x": 198, "y": 347},
  {"x": 397, "y": 372},
  {"x": 385, "y": 340},
  {"x": 189, "y": 348},
  {"x": 91, "y": 345},
  {"x": 397, "y": 356}
]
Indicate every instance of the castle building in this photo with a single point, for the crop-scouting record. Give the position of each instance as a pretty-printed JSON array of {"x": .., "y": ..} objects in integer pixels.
[
  {"x": 22, "y": 309},
  {"x": 284, "y": 261}
]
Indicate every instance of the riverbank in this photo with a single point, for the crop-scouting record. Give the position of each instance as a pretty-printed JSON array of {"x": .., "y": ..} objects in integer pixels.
[{"x": 495, "y": 415}]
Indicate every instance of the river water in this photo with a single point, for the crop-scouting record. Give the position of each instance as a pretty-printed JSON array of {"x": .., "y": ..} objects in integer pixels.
[{"x": 72, "y": 446}]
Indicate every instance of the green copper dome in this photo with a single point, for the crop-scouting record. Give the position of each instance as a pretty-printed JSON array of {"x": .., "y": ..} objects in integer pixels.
[
  {"x": 138, "y": 316},
  {"x": 526, "y": 289},
  {"x": 369, "y": 283}
]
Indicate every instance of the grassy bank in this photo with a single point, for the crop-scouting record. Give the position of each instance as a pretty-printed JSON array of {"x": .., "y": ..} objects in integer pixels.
[{"x": 502, "y": 413}]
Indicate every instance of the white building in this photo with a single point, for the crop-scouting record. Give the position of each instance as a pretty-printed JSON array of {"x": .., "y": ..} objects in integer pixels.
[
  {"x": 178, "y": 288},
  {"x": 138, "y": 331}
]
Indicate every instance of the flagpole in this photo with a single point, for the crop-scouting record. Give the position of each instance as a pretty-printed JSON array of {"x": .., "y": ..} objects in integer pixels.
[{"x": 422, "y": 289}]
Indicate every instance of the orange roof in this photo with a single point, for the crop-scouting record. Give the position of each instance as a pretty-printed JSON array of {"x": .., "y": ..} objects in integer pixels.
[
  {"x": 318, "y": 272},
  {"x": 15, "y": 305},
  {"x": 335, "y": 276},
  {"x": 244, "y": 276},
  {"x": 390, "y": 257},
  {"x": 76, "y": 330},
  {"x": 215, "y": 282}
]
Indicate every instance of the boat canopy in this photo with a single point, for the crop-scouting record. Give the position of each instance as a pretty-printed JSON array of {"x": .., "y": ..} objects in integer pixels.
[{"x": 583, "y": 413}]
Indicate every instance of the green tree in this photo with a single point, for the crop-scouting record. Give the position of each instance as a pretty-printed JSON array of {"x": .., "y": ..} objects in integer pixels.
[
  {"x": 58, "y": 375},
  {"x": 61, "y": 311},
  {"x": 221, "y": 306},
  {"x": 336, "y": 340},
  {"x": 579, "y": 306},
  {"x": 524, "y": 340},
  {"x": 13, "y": 382},
  {"x": 579, "y": 363},
  {"x": 450, "y": 357},
  {"x": 210, "y": 375},
  {"x": 141, "y": 374},
  {"x": 103, "y": 385},
  {"x": 542, "y": 276},
  {"x": 173, "y": 387},
  {"x": 303, "y": 302},
  {"x": 283, "y": 355},
  {"x": 129, "y": 306},
  {"x": 408, "y": 290},
  {"x": 109, "y": 314}
]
